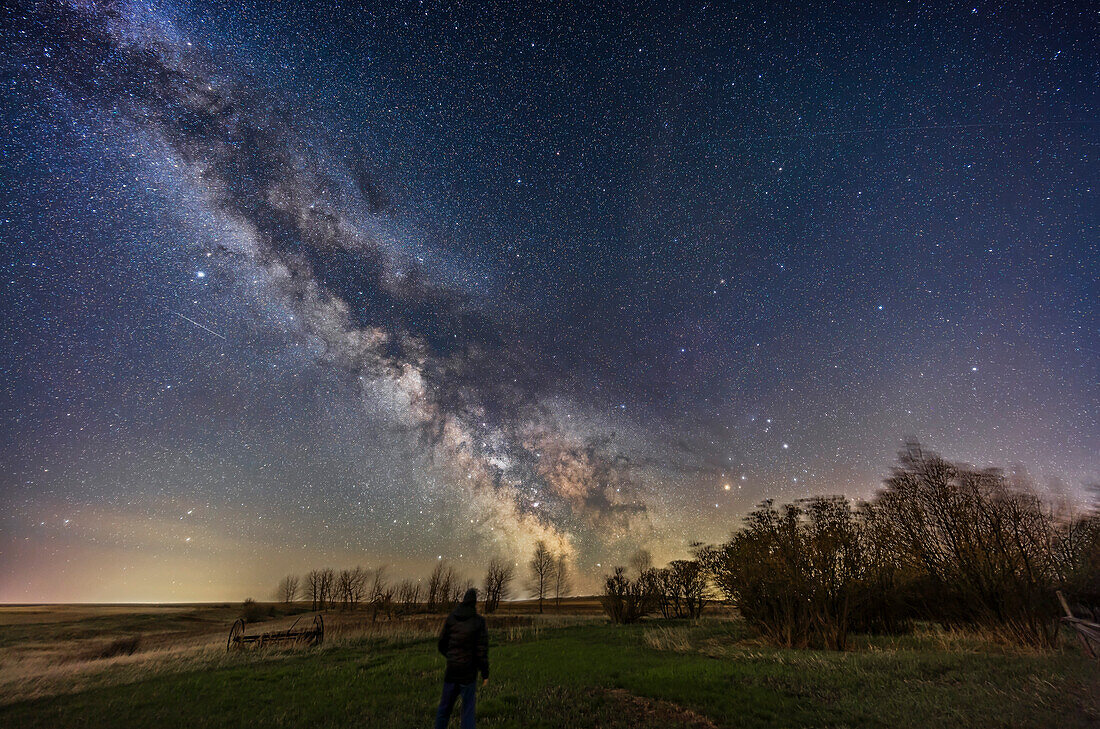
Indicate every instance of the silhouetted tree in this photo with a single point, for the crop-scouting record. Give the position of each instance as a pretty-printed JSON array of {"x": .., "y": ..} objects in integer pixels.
[
  {"x": 498, "y": 580},
  {"x": 357, "y": 586},
  {"x": 793, "y": 571},
  {"x": 641, "y": 561},
  {"x": 327, "y": 587},
  {"x": 942, "y": 541},
  {"x": 541, "y": 572},
  {"x": 441, "y": 585},
  {"x": 288, "y": 589},
  {"x": 980, "y": 546},
  {"x": 682, "y": 588},
  {"x": 381, "y": 593},
  {"x": 408, "y": 595},
  {"x": 343, "y": 588},
  {"x": 314, "y": 590},
  {"x": 563, "y": 580},
  {"x": 628, "y": 600}
]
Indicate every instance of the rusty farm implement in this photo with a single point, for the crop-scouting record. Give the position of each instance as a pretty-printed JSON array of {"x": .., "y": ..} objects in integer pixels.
[
  {"x": 311, "y": 636},
  {"x": 1087, "y": 631}
]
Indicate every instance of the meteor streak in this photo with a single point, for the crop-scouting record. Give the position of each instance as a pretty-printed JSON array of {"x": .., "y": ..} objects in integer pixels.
[{"x": 200, "y": 326}]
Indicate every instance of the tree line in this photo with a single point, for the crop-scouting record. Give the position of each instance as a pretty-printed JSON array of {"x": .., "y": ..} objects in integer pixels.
[
  {"x": 549, "y": 577},
  {"x": 941, "y": 542},
  {"x": 374, "y": 590}
]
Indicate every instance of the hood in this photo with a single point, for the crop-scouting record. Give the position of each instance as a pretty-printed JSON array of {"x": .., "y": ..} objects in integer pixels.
[{"x": 468, "y": 607}]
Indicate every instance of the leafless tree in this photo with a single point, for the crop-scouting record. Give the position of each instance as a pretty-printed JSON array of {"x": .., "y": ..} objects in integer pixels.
[
  {"x": 343, "y": 588},
  {"x": 288, "y": 589},
  {"x": 563, "y": 580},
  {"x": 943, "y": 541},
  {"x": 540, "y": 578},
  {"x": 440, "y": 586},
  {"x": 449, "y": 589},
  {"x": 357, "y": 586},
  {"x": 981, "y": 542},
  {"x": 498, "y": 582},
  {"x": 408, "y": 595},
  {"x": 641, "y": 561},
  {"x": 626, "y": 600},
  {"x": 687, "y": 587},
  {"x": 314, "y": 590},
  {"x": 327, "y": 587},
  {"x": 381, "y": 593}
]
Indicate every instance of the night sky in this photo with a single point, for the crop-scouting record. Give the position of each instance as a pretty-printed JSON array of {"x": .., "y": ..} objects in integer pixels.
[{"x": 299, "y": 285}]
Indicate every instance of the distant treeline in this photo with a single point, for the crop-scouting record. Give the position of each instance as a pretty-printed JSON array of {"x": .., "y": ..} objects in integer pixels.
[
  {"x": 549, "y": 577},
  {"x": 942, "y": 542}
]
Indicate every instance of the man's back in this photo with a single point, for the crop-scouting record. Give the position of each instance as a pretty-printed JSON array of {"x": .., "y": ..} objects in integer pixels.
[
  {"x": 464, "y": 640},
  {"x": 465, "y": 643}
]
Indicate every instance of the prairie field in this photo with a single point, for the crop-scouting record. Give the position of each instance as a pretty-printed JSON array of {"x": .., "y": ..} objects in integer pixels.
[{"x": 167, "y": 666}]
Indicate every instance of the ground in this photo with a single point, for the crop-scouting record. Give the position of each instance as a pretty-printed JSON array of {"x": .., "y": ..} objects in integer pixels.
[{"x": 567, "y": 669}]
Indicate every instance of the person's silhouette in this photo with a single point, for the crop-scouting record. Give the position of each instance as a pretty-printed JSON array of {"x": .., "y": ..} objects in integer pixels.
[{"x": 464, "y": 641}]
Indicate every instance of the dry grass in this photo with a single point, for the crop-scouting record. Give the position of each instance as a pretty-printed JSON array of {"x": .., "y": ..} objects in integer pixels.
[
  {"x": 676, "y": 639},
  {"x": 62, "y": 649},
  {"x": 559, "y": 669},
  {"x": 52, "y": 650}
]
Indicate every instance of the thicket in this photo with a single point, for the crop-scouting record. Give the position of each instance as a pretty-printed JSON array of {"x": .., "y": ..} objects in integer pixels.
[
  {"x": 943, "y": 542},
  {"x": 680, "y": 590}
]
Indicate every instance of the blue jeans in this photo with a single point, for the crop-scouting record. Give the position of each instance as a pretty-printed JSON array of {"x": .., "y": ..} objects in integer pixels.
[{"x": 451, "y": 692}]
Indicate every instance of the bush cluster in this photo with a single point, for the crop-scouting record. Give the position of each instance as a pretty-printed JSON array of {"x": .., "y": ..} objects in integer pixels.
[
  {"x": 944, "y": 542},
  {"x": 680, "y": 590}
]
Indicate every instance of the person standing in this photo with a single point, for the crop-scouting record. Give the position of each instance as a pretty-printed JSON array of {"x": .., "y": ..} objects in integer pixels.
[{"x": 464, "y": 641}]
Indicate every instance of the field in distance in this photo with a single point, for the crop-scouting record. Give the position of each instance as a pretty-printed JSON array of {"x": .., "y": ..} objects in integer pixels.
[{"x": 167, "y": 666}]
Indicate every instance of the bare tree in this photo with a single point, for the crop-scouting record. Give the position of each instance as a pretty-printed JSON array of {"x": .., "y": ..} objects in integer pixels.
[
  {"x": 690, "y": 587},
  {"x": 498, "y": 582},
  {"x": 626, "y": 600},
  {"x": 288, "y": 589},
  {"x": 563, "y": 580},
  {"x": 381, "y": 593},
  {"x": 446, "y": 588},
  {"x": 440, "y": 586},
  {"x": 327, "y": 587},
  {"x": 641, "y": 561},
  {"x": 357, "y": 586},
  {"x": 343, "y": 588},
  {"x": 408, "y": 595},
  {"x": 314, "y": 590},
  {"x": 541, "y": 576}
]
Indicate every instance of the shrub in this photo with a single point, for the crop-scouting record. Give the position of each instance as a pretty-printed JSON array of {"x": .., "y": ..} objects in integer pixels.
[
  {"x": 960, "y": 546},
  {"x": 682, "y": 588},
  {"x": 626, "y": 600},
  {"x": 982, "y": 552},
  {"x": 796, "y": 571},
  {"x": 252, "y": 611}
]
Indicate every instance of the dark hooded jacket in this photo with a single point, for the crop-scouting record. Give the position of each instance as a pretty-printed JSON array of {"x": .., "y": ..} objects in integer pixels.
[{"x": 465, "y": 643}]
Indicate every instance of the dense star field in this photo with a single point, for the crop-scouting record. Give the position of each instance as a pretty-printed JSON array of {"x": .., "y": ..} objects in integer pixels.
[{"x": 294, "y": 285}]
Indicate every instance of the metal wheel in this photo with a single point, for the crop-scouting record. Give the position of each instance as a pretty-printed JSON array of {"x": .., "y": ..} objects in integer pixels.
[{"x": 235, "y": 634}]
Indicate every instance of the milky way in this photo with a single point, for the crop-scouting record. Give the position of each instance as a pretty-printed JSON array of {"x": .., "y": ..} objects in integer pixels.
[{"x": 457, "y": 281}]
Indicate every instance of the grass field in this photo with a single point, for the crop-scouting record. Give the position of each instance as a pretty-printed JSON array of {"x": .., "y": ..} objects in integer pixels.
[{"x": 567, "y": 670}]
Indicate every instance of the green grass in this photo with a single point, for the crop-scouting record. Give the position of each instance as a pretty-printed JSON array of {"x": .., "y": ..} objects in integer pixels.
[{"x": 592, "y": 675}]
